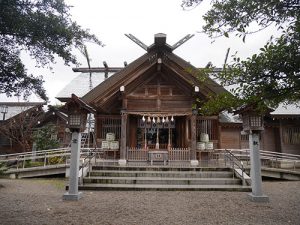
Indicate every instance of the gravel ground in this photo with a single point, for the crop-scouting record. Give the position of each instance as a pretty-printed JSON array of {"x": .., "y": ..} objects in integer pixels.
[{"x": 35, "y": 201}]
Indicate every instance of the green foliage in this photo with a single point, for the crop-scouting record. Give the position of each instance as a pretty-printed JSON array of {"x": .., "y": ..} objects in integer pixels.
[
  {"x": 217, "y": 103},
  {"x": 44, "y": 138},
  {"x": 30, "y": 163},
  {"x": 56, "y": 160},
  {"x": 3, "y": 168},
  {"x": 42, "y": 28},
  {"x": 271, "y": 76}
]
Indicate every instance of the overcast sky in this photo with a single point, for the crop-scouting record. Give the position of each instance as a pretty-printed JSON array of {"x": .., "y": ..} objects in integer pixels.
[{"x": 110, "y": 20}]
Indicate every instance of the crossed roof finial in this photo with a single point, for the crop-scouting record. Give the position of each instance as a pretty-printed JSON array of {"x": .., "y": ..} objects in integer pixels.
[{"x": 159, "y": 40}]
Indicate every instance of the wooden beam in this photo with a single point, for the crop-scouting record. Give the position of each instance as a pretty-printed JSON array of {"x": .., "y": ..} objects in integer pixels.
[
  {"x": 137, "y": 41},
  {"x": 116, "y": 69},
  {"x": 182, "y": 41},
  {"x": 160, "y": 39},
  {"x": 97, "y": 69}
]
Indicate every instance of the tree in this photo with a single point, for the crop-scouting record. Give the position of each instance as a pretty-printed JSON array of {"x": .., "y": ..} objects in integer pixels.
[
  {"x": 269, "y": 77},
  {"x": 43, "y": 29},
  {"x": 45, "y": 137},
  {"x": 19, "y": 129}
]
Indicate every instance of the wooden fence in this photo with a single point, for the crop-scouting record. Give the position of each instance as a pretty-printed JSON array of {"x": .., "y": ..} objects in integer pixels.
[
  {"x": 137, "y": 154},
  {"x": 179, "y": 154},
  {"x": 174, "y": 154}
]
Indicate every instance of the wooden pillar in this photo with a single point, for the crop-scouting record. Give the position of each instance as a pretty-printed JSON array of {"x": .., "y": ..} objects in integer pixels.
[
  {"x": 122, "y": 160},
  {"x": 169, "y": 139},
  {"x": 281, "y": 135},
  {"x": 194, "y": 161},
  {"x": 186, "y": 132}
]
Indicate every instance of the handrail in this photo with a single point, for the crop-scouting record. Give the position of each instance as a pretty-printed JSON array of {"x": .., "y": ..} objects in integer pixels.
[
  {"x": 33, "y": 155},
  {"x": 63, "y": 153},
  {"x": 269, "y": 157},
  {"x": 234, "y": 161},
  {"x": 84, "y": 164},
  {"x": 36, "y": 154},
  {"x": 30, "y": 153}
]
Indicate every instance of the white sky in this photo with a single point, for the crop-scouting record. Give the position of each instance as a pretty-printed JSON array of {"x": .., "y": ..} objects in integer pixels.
[{"x": 110, "y": 20}]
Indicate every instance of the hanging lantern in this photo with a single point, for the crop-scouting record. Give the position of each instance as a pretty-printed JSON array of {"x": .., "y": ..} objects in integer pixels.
[
  {"x": 167, "y": 119},
  {"x": 143, "y": 119},
  {"x": 158, "y": 120},
  {"x": 149, "y": 119},
  {"x": 163, "y": 119},
  {"x": 172, "y": 118}
]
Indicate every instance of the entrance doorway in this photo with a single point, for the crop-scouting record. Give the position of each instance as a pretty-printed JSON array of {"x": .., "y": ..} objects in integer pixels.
[{"x": 156, "y": 138}]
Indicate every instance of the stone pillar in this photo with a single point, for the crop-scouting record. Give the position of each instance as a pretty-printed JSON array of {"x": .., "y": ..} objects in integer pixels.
[
  {"x": 73, "y": 194},
  {"x": 33, "y": 151},
  {"x": 122, "y": 161},
  {"x": 194, "y": 161},
  {"x": 255, "y": 173}
]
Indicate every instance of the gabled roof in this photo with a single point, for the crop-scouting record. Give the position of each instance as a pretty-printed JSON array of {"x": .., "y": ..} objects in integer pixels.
[
  {"x": 286, "y": 111},
  {"x": 15, "y": 108},
  {"x": 157, "y": 54},
  {"x": 82, "y": 84}
]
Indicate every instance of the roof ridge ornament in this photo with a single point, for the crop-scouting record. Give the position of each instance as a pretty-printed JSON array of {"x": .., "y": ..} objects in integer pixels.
[
  {"x": 182, "y": 41},
  {"x": 159, "y": 40},
  {"x": 137, "y": 41}
]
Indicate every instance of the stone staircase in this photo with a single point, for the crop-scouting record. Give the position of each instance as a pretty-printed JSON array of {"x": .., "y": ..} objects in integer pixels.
[{"x": 162, "y": 179}]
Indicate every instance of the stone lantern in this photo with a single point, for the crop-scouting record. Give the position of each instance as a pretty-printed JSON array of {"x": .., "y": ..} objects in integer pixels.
[
  {"x": 253, "y": 125},
  {"x": 77, "y": 111}
]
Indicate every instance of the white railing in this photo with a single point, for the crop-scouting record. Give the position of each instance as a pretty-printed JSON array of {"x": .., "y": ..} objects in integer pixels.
[
  {"x": 179, "y": 154},
  {"x": 40, "y": 158},
  {"x": 268, "y": 158}
]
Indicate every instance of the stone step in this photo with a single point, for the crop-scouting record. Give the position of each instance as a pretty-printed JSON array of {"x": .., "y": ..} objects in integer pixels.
[
  {"x": 157, "y": 168},
  {"x": 156, "y": 187},
  {"x": 174, "y": 174},
  {"x": 162, "y": 180}
]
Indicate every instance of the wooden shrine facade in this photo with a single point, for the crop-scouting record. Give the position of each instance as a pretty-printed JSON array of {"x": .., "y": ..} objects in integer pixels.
[{"x": 147, "y": 106}]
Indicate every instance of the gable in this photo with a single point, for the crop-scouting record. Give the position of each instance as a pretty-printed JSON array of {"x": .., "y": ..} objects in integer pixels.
[
  {"x": 159, "y": 92},
  {"x": 158, "y": 80}
]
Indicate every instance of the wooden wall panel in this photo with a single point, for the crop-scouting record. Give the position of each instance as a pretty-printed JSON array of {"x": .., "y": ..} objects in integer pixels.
[
  {"x": 132, "y": 131},
  {"x": 230, "y": 138},
  {"x": 143, "y": 104},
  {"x": 167, "y": 104},
  {"x": 269, "y": 140},
  {"x": 288, "y": 147}
]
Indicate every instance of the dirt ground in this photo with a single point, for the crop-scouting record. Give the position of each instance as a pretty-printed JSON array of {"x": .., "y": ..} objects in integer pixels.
[{"x": 39, "y": 201}]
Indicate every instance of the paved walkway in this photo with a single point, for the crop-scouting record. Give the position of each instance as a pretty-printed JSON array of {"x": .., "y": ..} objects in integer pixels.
[{"x": 34, "y": 201}]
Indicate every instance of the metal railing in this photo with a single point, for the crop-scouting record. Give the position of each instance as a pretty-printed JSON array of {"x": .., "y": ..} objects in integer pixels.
[
  {"x": 39, "y": 158},
  {"x": 234, "y": 162},
  {"x": 268, "y": 158},
  {"x": 86, "y": 162},
  {"x": 279, "y": 160}
]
